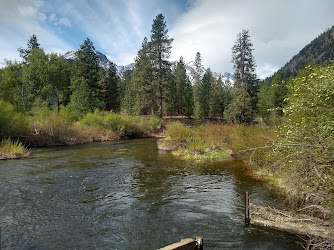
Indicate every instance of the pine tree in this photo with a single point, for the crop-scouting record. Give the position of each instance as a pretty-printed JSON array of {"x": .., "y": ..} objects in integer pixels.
[
  {"x": 244, "y": 63},
  {"x": 197, "y": 82},
  {"x": 32, "y": 44},
  {"x": 204, "y": 93},
  {"x": 278, "y": 92},
  {"x": 85, "y": 81},
  {"x": 145, "y": 96},
  {"x": 111, "y": 91},
  {"x": 160, "y": 46},
  {"x": 130, "y": 103},
  {"x": 188, "y": 108},
  {"x": 245, "y": 80},
  {"x": 217, "y": 99},
  {"x": 180, "y": 77}
]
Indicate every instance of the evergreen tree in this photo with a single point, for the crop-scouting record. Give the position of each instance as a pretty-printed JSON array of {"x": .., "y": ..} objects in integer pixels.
[
  {"x": 239, "y": 110},
  {"x": 204, "y": 93},
  {"x": 245, "y": 79},
  {"x": 32, "y": 44},
  {"x": 143, "y": 90},
  {"x": 278, "y": 92},
  {"x": 197, "y": 82},
  {"x": 180, "y": 77},
  {"x": 244, "y": 63},
  {"x": 160, "y": 46},
  {"x": 217, "y": 99},
  {"x": 264, "y": 99},
  {"x": 111, "y": 91},
  {"x": 188, "y": 108},
  {"x": 130, "y": 102},
  {"x": 85, "y": 81}
]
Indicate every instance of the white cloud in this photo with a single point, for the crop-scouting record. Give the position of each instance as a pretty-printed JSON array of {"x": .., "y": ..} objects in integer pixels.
[
  {"x": 21, "y": 19},
  {"x": 64, "y": 21},
  {"x": 279, "y": 29},
  {"x": 266, "y": 70}
]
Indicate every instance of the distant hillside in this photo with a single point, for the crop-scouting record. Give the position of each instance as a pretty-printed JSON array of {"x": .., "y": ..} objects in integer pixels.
[{"x": 320, "y": 50}]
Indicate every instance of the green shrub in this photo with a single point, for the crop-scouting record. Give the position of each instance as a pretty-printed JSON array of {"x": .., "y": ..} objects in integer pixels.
[
  {"x": 12, "y": 124},
  {"x": 114, "y": 122},
  {"x": 93, "y": 119},
  {"x": 179, "y": 133}
]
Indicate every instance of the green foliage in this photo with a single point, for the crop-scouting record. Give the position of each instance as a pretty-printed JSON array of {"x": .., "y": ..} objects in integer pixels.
[
  {"x": 217, "y": 99},
  {"x": 204, "y": 91},
  {"x": 32, "y": 44},
  {"x": 111, "y": 90},
  {"x": 93, "y": 119},
  {"x": 141, "y": 92},
  {"x": 183, "y": 91},
  {"x": 11, "y": 85},
  {"x": 12, "y": 123},
  {"x": 81, "y": 98},
  {"x": 58, "y": 87},
  {"x": 86, "y": 96},
  {"x": 240, "y": 109}
]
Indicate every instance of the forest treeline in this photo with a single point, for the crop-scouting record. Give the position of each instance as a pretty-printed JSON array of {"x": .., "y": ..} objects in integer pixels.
[{"x": 44, "y": 80}]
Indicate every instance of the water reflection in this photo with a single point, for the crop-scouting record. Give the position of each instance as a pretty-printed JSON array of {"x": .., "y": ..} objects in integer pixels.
[{"x": 127, "y": 195}]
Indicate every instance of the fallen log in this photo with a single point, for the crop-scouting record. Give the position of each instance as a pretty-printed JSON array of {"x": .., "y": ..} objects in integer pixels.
[{"x": 291, "y": 222}]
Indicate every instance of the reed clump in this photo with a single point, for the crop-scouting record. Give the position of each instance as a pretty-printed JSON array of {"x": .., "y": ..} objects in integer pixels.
[{"x": 10, "y": 149}]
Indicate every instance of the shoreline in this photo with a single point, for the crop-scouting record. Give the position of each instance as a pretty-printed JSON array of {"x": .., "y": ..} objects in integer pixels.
[{"x": 317, "y": 228}]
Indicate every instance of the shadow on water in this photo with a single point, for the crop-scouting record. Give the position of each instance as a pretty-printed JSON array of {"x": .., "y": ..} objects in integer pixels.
[{"x": 127, "y": 195}]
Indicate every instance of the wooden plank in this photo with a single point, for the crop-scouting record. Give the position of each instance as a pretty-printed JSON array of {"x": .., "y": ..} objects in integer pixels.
[{"x": 187, "y": 244}]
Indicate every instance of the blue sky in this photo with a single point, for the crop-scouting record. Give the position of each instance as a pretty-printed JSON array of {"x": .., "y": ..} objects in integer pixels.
[{"x": 279, "y": 28}]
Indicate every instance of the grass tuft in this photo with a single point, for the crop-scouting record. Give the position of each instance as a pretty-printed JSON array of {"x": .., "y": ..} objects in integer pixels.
[{"x": 12, "y": 149}]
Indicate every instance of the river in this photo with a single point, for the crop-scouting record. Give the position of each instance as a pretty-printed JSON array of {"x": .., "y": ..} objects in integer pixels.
[{"x": 128, "y": 195}]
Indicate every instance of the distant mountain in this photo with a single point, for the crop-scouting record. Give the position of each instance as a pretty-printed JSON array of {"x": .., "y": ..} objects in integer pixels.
[
  {"x": 320, "y": 50},
  {"x": 105, "y": 63}
]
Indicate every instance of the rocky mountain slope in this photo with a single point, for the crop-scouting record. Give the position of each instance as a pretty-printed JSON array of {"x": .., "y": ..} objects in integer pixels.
[{"x": 320, "y": 50}]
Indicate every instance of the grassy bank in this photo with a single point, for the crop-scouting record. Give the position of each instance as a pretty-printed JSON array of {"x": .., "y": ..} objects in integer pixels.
[
  {"x": 61, "y": 129},
  {"x": 198, "y": 143},
  {"x": 268, "y": 156},
  {"x": 49, "y": 128}
]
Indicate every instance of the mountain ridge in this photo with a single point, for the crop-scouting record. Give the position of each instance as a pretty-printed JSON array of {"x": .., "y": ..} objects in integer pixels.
[{"x": 319, "y": 50}]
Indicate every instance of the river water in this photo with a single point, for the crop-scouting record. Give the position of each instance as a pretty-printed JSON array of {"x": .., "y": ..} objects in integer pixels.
[{"x": 128, "y": 195}]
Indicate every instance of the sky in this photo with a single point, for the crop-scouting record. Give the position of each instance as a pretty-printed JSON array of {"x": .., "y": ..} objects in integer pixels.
[{"x": 278, "y": 29}]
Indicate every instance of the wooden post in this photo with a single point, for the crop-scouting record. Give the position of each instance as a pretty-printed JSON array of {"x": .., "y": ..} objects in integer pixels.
[
  {"x": 199, "y": 243},
  {"x": 247, "y": 219}
]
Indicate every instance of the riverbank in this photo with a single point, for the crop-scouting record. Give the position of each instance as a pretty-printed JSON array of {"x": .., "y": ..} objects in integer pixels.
[
  {"x": 58, "y": 129},
  {"x": 269, "y": 159}
]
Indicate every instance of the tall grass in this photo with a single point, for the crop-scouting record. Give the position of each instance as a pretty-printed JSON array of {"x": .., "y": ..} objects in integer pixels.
[
  {"x": 12, "y": 149},
  {"x": 198, "y": 140}
]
